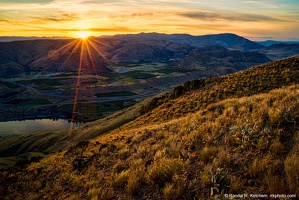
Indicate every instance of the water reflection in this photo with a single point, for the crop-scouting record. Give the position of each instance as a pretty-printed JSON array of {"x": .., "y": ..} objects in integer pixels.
[{"x": 29, "y": 126}]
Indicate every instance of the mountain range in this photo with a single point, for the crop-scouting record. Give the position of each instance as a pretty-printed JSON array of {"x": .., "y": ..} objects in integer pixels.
[
  {"x": 271, "y": 42},
  {"x": 62, "y": 55}
]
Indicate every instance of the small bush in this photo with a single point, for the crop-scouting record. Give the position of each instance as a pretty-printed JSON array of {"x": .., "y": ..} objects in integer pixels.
[
  {"x": 208, "y": 153},
  {"x": 275, "y": 184},
  {"x": 260, "y": 166},
  {"x": 136, "y": 178},
  {"x": 235, "y": 183},
  {"x": 276, "y": 147},
  {"x": 205, "y": 176},
  {"x": 220, "y": 181},
  {"x": 169, "y": 192},
  {"x": 100, "y": 194},
  {"x": 177, "y": 188},
  {"x": 275, "y": 116},
  {"x": 291, "y": 167},
  {"x": 121, "y": 178},
  {"x": 164, "y": 170},
  {"x": 124, "y": 153},
  {"x": 223, "y": 158}
]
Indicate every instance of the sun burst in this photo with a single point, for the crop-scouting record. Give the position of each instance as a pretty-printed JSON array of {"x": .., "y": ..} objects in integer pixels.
[
  {"x": 89, "y": 51},
  {"x": 83, "y": 35}
]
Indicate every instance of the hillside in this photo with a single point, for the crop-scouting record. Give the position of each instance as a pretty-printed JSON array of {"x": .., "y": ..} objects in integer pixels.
[
  {"x": 272, "y": 42},
  {"x": 228, "y": 40},
  {"x": 46, "y": 55},
  {"x": 217, "y": 60},
  {"x": 232, "y": 134},
  {"x": 98, "y": 54},
  {"x": 279, "y": 51},
  {"x": 255, "y": 80}
]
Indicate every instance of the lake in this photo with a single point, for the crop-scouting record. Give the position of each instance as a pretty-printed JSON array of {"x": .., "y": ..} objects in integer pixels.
[{"x": 29, "y": 126}]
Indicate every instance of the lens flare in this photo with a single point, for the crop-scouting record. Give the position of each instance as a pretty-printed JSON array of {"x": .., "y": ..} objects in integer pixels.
[{"x": 85, "y": 50}]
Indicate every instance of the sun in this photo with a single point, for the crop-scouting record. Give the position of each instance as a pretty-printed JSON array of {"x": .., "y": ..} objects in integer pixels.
[{"x": 83, "y": 35}]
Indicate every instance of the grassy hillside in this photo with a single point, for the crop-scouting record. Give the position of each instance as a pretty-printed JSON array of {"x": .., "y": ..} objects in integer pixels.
[
  {"x": 230, "y": 134},
  {"x": 200, "y": 93}
]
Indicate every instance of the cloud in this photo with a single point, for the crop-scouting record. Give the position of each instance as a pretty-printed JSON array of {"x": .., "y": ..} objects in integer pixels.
[
  {"x": 101, "y": 1},
  {"x": 260, "y": 37},
  {"x": 4, "y": 20},
  {"x": 11, "y": 22},
  {"x": 28, "y": 1},
  {"x": 230, "y": 17},
  {"x": 60, "y": 18},
  {"x": 113, "y": 29}
]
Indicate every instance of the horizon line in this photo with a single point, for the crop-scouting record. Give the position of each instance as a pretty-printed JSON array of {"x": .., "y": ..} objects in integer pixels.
[{"x": 259, "y": 39}]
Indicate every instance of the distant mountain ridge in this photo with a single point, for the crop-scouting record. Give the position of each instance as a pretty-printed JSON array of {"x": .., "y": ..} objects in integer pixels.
[
  {"x": 218, "y": 60},
  {"x": 24, "y": 38},
  {"x": 279, "y": 51},
  {"x": 228, "y": 40},
  {"x": 272, "y": 42},
  {"x": 57, "y": 55}
]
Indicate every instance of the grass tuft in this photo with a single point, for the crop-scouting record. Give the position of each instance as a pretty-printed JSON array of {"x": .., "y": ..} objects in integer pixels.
[
  {"x": 164, "y": 170},
  {"x": 291, "y": 164}
]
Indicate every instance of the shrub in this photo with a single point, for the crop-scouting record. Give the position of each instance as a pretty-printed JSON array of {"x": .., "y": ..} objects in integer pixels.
[
  {"x": 136, "y": 178},
  {"x": 100, "y": 194},
  {"x": 177, "y": 188},
  {"x": 164, "y": 170},
  {"x": 169, "y": 191},
  {"x": 291, "y": 164},
  {"x": 124, "y": 153},
  {"x": 260, "y": 166},
  {"x": 121, "y": 178},
  {"x": 223, "y": 158},
  {"x": 275, "y": 115},
  {"x": 276, "y": 147},
  {"x": 275, "y": 183},
  {"x": 205, "y": 176},
  {"x": 208, "y": 153}
]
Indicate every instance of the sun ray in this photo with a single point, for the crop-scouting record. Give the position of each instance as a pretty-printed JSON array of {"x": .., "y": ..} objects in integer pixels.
[
  {"x": 101, "y": 43},
  {"x": 91, "y": 58},
  {"x": 77, "y": 88},
  {"x": 74, "y": 49},
  {"x": 87, "y": 48},
  {"x": 66, "y": 47},
  {"x": 101, "y": 54}
]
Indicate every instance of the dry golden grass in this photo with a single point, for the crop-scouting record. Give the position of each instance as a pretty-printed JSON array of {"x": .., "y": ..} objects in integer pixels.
[{"x": 291, "y": 164}]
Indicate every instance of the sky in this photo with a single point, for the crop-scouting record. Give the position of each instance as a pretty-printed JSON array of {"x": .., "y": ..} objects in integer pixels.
[{"x": 256, "y": 20}]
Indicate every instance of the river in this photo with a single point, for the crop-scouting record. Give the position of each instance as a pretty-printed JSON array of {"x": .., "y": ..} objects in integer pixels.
[{"x": 29, "y": 126}]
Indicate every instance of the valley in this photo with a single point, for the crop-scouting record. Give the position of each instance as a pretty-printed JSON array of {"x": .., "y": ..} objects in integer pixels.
[
  {"x": 52, "y": 95},
  {"x": 82, "y": 81}
]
